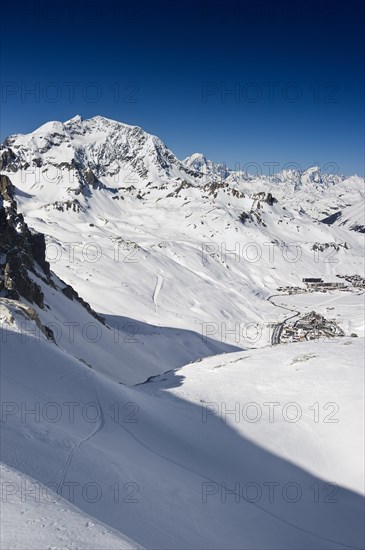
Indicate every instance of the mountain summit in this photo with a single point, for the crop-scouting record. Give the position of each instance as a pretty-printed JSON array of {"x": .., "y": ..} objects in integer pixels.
[{"x": 97, "y": 149}]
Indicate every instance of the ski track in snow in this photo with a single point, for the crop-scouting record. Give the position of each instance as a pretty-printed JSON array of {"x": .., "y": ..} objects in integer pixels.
[
  {"x": 101, "y": 423},
  {"x": 156, "y": 292},
  {"x": 203, "y": 476},
  {"x": 320, "y": 444},
  {"x": 99, "y": 426}
]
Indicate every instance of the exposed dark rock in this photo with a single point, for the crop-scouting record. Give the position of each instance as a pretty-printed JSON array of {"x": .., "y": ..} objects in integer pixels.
[
  {"x": 73, "y": 205},
  {"x": 8, "y": 160},
  {"x": 38, "y": 246},
  {"x": 183, "y": 185},
  {"x": 6, "y": 188},
  {"x": 244, "y": 217},
  {"x": 20, "y": 248},
  {"x": 357, "y": 227},
  {"x": 24, "y": 253},
  {"x": 262, "y": 196},
  {"x": 323, "y": 246},
  {"x": 91, "y": 179},
  {"x": 73, "y": 295},
  {"x": 252, "y": 216},
  {"x": 332, "y": 218}
]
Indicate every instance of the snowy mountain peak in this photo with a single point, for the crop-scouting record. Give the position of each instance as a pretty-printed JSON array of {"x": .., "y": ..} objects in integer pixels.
[
  {"x": 111, "y": 153},
  {"x": 67, "y": 163},
  {"x": 100, "y": 122},
  {"x": 76, "y": 119},
  {"x": 49, "y": 128},
  {"x": 196, "y": 157},
  {"x": 199, "y": 163}
]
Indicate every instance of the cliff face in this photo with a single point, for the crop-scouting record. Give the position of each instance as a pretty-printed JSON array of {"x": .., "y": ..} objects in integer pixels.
[{"x": 21, "y": 251}]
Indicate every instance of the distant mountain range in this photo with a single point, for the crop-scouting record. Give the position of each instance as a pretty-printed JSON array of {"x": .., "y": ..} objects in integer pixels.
[{"x": 176, "y": 243}]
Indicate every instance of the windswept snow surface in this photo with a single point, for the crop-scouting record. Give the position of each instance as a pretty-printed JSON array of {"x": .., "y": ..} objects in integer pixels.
[{"x": 35, "y": 518}]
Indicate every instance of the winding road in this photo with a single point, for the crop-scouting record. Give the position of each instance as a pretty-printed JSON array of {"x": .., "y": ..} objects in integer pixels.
[{"x": 275, "y": 337}]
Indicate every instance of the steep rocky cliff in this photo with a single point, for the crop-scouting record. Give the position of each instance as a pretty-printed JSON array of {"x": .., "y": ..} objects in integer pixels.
[{"x": 22, "y": 251}]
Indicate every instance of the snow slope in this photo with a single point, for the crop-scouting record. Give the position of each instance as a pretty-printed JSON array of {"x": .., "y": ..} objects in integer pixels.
[
  {"x": 34, "y": 517},
  {"x": 170, "y": 459},
  {"x": 179, "y": 258}
]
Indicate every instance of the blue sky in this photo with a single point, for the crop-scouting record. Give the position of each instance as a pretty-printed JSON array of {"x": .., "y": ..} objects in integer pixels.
[{"x": 265, "y": 82}]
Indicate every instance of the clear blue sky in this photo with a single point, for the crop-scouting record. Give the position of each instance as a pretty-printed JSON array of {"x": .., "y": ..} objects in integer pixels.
[{"x": 241, "y": 81}]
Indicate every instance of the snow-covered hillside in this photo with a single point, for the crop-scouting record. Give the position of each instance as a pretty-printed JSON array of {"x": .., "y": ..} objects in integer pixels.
[
  {"x": 157, "y": 461},
  {"x": 136, "y": 324},
  {"x": 46, "y": 520},
  {"x": 120, "y": 347},
  {"x": 142, "y": 235}
]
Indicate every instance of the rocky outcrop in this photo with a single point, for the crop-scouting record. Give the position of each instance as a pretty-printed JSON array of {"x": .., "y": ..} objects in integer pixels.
[
  {"x": 23, "y": 256},
  {"x": 91, "y": 179},
  {"x": 183, "y": 185},
  {"x": 10, "y": 307},
  {"x": 8, "y": 160},
  {"x": 73, "y": 205},
  {"x": 22, "y": 252},
  {"x": 252, "y": 216},
  {"x": 321, "y": 247},
  {"x": 329, "y": 220},
  {"x": 38, "y": 247},
  {"x": 73, "y": 295},
  {"x": 263, "y": 197},
  {"x": 357, "y": 227}
]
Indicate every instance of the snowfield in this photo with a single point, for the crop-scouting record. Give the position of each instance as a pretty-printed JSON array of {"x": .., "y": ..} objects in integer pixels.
[
  {"x": 158, "y": 461},
  {"x": 46, "y": 520},
  {"x": 163, "y": 417}
]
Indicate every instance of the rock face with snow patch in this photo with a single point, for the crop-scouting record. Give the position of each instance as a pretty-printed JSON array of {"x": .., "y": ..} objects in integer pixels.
[
  {"x": 23, "y": 256},
  {"x": 20, "y": 250},
  {"x": 211, "y": 170},
  {"x": 352, "y": 217},
  {"x": 90, "y": 150},
  {"x": 71, "y": 161}
]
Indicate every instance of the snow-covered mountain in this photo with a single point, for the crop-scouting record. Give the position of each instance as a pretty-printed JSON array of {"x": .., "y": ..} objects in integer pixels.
[
  {"x": 211, "y": 170},
  {"x": 163, "y": 244},
  {"x": 35, "y": 299},
  {"x": 352, "y": 217},
  {"x": 87, "y": 152},
  {"x": 121, "y": 268},
  {"x": 102, "y": 153}
]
